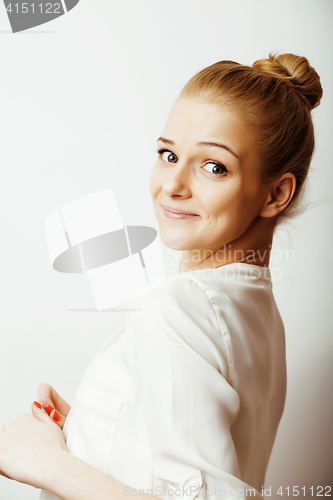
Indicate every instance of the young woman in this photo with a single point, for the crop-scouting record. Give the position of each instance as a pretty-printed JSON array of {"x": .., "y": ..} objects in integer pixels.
[{"x": 185, "y": 399}]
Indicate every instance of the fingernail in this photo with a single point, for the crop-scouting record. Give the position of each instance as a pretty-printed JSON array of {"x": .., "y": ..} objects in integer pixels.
[
  {"x": 56, "y": 416},
  {"x": 37, "y": 404},
  {"x": 48, "y": 408}
]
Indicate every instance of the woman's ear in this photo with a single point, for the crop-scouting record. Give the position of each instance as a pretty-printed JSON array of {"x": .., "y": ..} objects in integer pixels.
[{"x": 279, "y": 195}]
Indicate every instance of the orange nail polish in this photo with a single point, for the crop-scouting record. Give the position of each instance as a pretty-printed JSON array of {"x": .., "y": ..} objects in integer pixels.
[
  {"x": 37, "y": 404},
  {"x": 48, "y": 408},
  {"x": 56, "y": 416}
]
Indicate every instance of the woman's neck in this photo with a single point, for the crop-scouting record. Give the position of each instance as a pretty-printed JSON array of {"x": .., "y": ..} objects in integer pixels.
[{"x": 253, "y": 247}]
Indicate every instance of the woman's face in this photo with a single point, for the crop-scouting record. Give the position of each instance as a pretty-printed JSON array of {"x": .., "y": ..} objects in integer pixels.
[{"x": 207, "y": 165}]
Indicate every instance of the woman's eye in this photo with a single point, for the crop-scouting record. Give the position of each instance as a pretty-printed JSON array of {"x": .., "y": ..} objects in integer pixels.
[
  {"x": 167, "y": 156},
  {"x": 216, "y": 168}
]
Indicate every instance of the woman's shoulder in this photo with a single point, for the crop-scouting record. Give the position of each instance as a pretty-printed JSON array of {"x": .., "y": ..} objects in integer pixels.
[
  {"x": 178, "y": 310},
  {"x": 183, "y": 291},
  {"x": 211, "y": 291}
]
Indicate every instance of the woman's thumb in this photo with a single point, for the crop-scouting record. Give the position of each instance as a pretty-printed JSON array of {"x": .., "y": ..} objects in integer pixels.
[
  {"x": 47, "y": 395},
  {"x": 53, "y": 404}
]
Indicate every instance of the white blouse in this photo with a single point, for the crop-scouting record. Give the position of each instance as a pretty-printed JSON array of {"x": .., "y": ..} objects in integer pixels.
[{"x": 185, "y": 399}]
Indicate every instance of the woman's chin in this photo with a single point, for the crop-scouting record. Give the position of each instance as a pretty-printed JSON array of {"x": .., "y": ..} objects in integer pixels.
[{"x": 173, "y": 242}]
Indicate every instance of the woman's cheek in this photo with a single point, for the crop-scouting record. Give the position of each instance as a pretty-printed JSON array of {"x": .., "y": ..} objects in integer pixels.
[{"x": 154, "y": 181}]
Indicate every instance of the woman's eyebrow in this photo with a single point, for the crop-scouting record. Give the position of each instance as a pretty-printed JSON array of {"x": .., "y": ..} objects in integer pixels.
[
  {"x": 167, "y": 141},
  {"x": 217, "y": 145},
  {"x": 203, "y": 143}
]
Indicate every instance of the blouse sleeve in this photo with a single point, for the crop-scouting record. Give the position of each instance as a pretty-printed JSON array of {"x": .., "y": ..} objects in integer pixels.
[{"x": 175, "y": 351}]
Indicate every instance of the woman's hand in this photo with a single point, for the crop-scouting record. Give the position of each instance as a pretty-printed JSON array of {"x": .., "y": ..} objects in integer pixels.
[
  {"x": 55, "y": 406},
  {"x": 30, "y": 448}
]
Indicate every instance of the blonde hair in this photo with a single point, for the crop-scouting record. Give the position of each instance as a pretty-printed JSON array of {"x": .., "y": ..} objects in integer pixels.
[{"x": 275, "y": 97}]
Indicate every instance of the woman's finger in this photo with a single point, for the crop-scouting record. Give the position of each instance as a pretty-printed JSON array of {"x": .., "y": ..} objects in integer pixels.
[
  {"x": 58, "y": 418},
  {"x": 41, "y": 415},
  {"x": 47, "y": 395},
  {"x": 54, "y": 415}
]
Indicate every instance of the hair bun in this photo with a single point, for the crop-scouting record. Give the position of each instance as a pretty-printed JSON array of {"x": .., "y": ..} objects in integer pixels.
[{"x": 295, "y": 71}]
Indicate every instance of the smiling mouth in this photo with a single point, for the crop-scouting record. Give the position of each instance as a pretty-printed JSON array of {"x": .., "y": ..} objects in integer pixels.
[{"x": 173, "y": 213}]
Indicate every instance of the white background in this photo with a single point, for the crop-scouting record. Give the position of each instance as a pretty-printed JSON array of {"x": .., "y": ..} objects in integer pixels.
[{"x": 83, "y": 100}]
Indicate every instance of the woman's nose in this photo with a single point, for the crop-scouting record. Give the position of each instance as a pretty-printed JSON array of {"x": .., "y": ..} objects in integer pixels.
[{"x": 177, "y": 181}]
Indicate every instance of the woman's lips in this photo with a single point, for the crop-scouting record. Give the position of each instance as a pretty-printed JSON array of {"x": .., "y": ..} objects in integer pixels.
[{"x": 174, "y": 213}]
